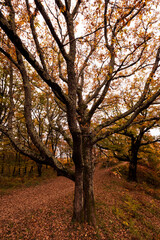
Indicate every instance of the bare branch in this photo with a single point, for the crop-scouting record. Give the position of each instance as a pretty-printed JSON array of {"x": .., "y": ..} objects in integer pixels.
[
  {"x": 75, "y": 10},
  {"x": 86, "y": 35},
  {"x": 39, "y": 50}
]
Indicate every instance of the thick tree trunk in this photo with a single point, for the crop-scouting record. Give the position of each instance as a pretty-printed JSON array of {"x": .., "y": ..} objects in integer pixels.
[
  {"x": 78, "y": 215},
  {"x": 132, "y": 175},
  {"x": 39, "y": 169},
  {"x": 135, "y": 145},
  {"x": 89, "y": 202},
  {"x": 78, "y": 194},
  {"x": 84, "y": 204}
]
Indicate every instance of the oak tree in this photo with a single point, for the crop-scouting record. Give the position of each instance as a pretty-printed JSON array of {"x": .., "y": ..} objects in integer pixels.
[{"x": 87, "y": 53}]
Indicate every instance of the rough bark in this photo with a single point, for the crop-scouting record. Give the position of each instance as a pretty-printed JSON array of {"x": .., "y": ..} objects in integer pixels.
[
  {"x": 88, "y": 188},
  {"x": 84, "y": 203},
  {"x": 78, "y": 215},
  {"x": 88, "y": 171},
  {"x": 78, "y": 192}
]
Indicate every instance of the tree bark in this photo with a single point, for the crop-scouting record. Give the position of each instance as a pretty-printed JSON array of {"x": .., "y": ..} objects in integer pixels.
[
  {"x": 135, "y": 145},
  {"x": 39, "y": 169},
  {"x": 78, "y": 215},
  {"x": 84, "y": 203},
  {"x": 78, "y": 193},
  {"x": 132, "y": 174},
  {"x": 88, "y": 188}
]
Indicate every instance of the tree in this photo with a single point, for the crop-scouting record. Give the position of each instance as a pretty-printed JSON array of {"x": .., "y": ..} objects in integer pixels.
[
  {"x": 136, "y": 143},
  {"x": 86, "y": 53},
  {"x": 128, "y": 146}
]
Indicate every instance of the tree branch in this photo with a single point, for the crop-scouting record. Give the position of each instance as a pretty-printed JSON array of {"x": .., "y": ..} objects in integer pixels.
[
  {"x": 35, "y": 37},
  {"x": 75, "y": 10},
  {"x": 30, "y": 58},
  {"x": 51, "y": 28}
]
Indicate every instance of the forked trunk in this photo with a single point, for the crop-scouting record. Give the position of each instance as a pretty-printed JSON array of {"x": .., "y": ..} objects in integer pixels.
[{"x": 84, "y": 204}]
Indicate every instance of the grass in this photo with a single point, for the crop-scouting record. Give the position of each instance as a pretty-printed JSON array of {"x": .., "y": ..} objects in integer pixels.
[{"x": 134, "y": 210}]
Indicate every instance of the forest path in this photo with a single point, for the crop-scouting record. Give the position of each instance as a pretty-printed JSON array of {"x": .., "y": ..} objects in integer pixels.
[
  {"x": 44, "y": 212},
  {"x": 20, "y": 201}
]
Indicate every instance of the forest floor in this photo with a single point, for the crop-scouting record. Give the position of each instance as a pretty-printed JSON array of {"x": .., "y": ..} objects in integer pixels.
[{"x": 124, "y": 210}]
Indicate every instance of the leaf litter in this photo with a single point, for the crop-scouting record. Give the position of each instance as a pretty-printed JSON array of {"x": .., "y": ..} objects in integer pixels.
[{"x": 44, "y": 212}]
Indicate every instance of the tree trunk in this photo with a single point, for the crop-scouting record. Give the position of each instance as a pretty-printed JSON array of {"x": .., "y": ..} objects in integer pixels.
[
  {"x": 89, "y": 202},
  {"x": 14, "y": 170},
  {"x": 132, "y": 175},
  {"x": 78, "y": 194},
  {"x": 78, "y": 215},
  {"x": 84, "y": 204},
  {"x": 88, "y": 189},
  {"x": 39, "y": 169}
]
